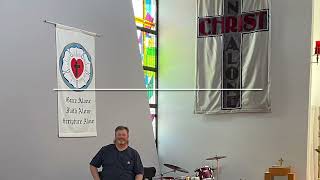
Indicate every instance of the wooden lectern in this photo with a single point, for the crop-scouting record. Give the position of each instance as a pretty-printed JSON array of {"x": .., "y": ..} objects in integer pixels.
[{"x": 279, "y": 171}]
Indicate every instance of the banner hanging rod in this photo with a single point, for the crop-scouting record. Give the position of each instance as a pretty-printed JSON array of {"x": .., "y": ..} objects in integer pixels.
[{"x": 84, "y": 31}]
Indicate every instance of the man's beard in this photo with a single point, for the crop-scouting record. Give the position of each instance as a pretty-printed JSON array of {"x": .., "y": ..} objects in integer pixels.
[{"x": 121, "y": 141}]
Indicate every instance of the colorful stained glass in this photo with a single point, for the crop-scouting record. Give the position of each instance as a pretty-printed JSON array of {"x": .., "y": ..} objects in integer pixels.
[
  {"x": 149, "y": 50},
  {"x": 147, "y": 47},
  {"x": 145, "y": 13},
  {"x": 150, "y": 82},
  {"x": 150, "y": 12}
]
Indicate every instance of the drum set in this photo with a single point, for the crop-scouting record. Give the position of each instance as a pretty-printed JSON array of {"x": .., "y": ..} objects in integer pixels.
[{"x": 203, "y": 173}]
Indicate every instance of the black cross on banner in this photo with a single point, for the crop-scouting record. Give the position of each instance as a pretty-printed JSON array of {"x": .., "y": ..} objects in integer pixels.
[
  {"x": 232, "y": 26},
  {"x": 77, "y": 66}
]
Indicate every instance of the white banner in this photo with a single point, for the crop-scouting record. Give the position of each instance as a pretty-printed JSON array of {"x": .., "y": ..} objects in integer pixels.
[
  {"x": 76, "y": 71},
  {"x": 233, "y": 52}
]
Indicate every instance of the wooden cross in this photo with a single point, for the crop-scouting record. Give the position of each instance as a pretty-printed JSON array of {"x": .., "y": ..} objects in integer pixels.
[{"x": 281, "y": 161}]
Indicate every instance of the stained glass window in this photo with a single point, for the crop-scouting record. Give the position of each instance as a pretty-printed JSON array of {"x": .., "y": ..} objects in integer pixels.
[
  {"x": 147, "y": 47},
  {"x": 150, "y": 82},
  {"x": 145, "y": 12}
]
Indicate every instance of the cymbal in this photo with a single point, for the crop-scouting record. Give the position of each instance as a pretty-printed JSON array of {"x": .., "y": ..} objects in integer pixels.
[
  {"x": 176, "y": 168},
  {"x": 216, "y": 158}
]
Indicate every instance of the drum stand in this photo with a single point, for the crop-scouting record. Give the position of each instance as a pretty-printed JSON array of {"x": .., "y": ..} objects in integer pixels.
[
  {"x": 217, "y": 168},
  {"x": 216, "y": 158},
  {"x": 217, "y": 174}
]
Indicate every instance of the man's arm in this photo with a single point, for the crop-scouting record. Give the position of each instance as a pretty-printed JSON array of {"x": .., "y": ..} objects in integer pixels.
[
  {"x": 95, "y": 163},
  {"x": 94, "y": 173},
  {"x": 138, "y": 167},
  {"x": 139, "y": 177}
]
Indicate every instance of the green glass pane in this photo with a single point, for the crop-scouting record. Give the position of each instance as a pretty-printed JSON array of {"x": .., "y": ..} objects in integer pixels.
[
  {"x": 150, "y": 83},
  {"x": 149, "y": 46}
]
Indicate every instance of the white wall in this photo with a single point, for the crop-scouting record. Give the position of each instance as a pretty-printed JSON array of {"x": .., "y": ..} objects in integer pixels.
[
  {"x": 29, "y": 145},
  {"x": 313, "y": 140},
  {"x": 252, "y": 142}
]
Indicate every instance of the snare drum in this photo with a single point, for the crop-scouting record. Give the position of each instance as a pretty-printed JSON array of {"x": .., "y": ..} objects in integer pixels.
[{"x": 205, "y": 173}]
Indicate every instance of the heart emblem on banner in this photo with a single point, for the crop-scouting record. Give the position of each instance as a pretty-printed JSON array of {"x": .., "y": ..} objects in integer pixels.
[{"x": 77, "y": 67}]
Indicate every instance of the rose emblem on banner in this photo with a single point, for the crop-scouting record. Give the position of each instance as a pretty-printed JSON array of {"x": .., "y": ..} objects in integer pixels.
[{"x": 75, "y": 66}]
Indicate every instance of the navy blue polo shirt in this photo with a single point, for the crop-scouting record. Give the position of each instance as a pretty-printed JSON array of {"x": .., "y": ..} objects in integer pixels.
[{"x": 118, "y": 165}]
